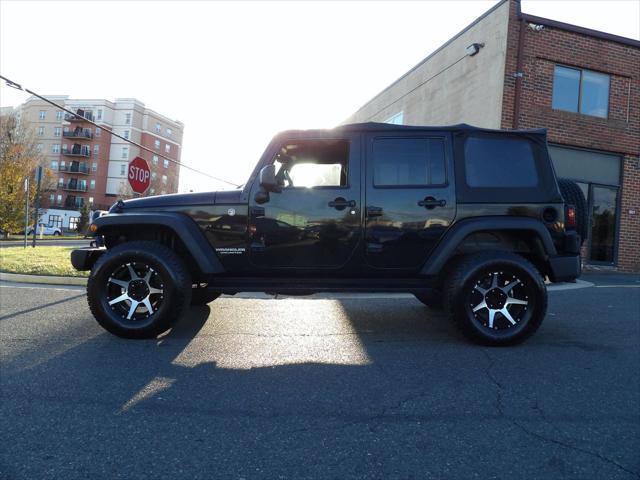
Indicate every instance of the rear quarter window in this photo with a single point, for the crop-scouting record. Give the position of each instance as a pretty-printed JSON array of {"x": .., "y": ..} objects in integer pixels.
[{"x": 496, "y": 162}]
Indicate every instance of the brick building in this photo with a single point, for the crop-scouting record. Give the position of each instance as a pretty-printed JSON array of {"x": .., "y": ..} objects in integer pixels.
[
  {"x": 509, "y": 70},
  {"x": 88, "y": 164}
]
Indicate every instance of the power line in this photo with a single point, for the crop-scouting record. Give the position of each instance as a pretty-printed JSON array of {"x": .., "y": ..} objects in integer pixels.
[
  {"x": 420, "y": 85},
  {"x": 17, "y": 86}
]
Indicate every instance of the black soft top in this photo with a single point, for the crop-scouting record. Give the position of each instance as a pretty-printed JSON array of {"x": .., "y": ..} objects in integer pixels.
[{"x": 389, "y": 127}]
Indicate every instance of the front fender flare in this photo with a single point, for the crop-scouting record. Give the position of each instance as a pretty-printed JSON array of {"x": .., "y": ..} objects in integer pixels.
[
  {"x": 183, "y": 226},
  {"x": 460, "y": 230}
]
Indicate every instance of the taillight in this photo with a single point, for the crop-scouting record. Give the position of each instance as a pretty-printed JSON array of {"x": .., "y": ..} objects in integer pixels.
[{"x": 570, "y": 217}]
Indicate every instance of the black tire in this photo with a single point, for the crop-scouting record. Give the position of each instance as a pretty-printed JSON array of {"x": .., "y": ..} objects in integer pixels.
[
  {"x": 477, "y": 272},
  {"x": 573, "y": 195},
  {"x": 56, "y": 234},
  {"x": 200, "y": 296},
  {"x": 433, "y": 301},
  {"x": 168, "y": 289}
]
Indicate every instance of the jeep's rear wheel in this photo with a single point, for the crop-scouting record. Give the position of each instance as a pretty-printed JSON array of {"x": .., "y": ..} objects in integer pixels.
[
  {"x": 138, "y": 289},
  {"x": 496, "y": 298}
]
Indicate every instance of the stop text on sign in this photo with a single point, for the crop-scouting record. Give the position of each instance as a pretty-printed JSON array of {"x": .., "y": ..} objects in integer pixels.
[{"x": 138, "y": 174}]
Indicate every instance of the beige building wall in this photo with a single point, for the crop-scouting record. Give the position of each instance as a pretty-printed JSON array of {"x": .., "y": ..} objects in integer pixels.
[{"x": 470, "y": 91}]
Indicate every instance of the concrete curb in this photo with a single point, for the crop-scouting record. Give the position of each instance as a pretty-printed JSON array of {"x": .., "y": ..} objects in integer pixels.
[{"x": 46, "y": 279}]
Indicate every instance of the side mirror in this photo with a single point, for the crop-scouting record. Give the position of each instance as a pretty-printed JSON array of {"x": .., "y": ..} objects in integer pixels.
[{"x": 268, "y": 179}]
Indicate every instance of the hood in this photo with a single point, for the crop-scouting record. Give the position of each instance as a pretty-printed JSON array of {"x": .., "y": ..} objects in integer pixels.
[{"x": 178, "y": 200}]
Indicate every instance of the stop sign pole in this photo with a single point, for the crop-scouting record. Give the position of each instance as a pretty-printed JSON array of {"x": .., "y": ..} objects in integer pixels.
[{"x": 139, "y": 175}]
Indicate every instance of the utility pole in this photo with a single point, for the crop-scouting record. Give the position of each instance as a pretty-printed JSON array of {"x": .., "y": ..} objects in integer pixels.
[
  {"x": 26, "y": 210},
  {"x": 39, "y": 171}
]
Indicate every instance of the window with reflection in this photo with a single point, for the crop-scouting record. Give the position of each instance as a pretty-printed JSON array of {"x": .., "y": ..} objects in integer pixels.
[
  {"x": 313, "y": 163},
  {"x": 580, "y": 91}
]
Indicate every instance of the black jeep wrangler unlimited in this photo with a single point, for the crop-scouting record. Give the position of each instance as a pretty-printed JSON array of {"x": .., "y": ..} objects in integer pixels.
[{"x": 470, "y": 219}]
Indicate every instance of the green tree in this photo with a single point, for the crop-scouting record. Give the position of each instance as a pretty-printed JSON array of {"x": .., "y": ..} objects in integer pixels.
[
  {"x": 19, "y": 157},
  {"x": 83, "y": 221}
]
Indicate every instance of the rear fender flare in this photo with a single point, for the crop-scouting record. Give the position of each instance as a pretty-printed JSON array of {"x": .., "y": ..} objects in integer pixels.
[{"x": 462, "y": 229}]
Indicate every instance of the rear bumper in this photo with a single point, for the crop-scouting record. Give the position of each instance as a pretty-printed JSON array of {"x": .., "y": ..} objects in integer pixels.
[
  {"x": 84, "y": 258},
  {"x": 565, "y": 268}
]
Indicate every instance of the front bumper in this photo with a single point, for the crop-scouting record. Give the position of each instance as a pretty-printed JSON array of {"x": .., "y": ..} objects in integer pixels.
[
  {"x": 565, "y": 268},
  {"x": 84, "y": 258}
]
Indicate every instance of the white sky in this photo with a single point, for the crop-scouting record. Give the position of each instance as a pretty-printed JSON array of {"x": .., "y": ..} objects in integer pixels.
[{"x": 237, "y": 73}]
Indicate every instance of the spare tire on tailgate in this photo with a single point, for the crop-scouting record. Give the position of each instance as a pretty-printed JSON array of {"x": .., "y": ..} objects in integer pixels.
[{"x": 573, "y": 195}]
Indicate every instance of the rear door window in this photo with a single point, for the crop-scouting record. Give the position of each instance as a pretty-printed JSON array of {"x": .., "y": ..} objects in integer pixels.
[
  {"x": 408, "y": 162},
  {"x": 499, "y": 162}
]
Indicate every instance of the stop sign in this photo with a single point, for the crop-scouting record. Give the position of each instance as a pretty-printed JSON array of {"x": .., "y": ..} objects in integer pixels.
[{"x": 139, "y": 175}]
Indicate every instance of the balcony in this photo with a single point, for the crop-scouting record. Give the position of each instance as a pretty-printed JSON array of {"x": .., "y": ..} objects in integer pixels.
[
  {"x": 73, "y": 202},
  {"x": 80, "y": 116},
  {"x": 76, "y": 151},
  {"x": 73, "y": 186},
  {"x": 79, "y": 133},
  {"x": 79, "y": 168}
]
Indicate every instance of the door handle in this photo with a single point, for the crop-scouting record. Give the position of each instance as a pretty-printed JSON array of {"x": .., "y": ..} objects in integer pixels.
[
  {"x": 430, "y": 203},
  {"x": 340, "y": 203}
]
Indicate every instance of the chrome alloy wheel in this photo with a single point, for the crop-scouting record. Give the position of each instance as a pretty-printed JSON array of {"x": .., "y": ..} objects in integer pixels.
[
  {"x": 499, "y": 300},
  {"x": 135, "y": 291}
]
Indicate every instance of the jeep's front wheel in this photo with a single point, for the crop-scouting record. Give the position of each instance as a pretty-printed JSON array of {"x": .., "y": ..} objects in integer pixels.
[
  {"x": 496, "y": 298},
  {"x": 138, "y": 289}
]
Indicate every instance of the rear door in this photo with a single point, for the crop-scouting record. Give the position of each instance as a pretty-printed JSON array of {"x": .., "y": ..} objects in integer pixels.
[{"x": 410, "y": 198}]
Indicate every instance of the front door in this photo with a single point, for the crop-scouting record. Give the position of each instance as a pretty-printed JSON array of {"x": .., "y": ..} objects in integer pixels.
[
  {"x": 410, "y": 199},
  {"x": 314, "y": 222}
]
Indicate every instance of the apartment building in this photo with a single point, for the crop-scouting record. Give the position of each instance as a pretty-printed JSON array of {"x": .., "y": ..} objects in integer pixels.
[
  {"x": 88, "y": 164},
  {"x": 509, "y": 69}
]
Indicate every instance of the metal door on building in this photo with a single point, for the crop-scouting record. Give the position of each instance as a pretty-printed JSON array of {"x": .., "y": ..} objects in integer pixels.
[{"x": 598, "y": 175}]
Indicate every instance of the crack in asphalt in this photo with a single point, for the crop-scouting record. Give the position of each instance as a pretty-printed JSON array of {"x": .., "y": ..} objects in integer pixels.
[{"x": 546, "y": 439}]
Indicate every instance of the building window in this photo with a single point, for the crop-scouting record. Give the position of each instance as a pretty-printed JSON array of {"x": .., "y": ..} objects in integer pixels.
[
  {"x": 153, "y": 175},
  {"x": 59, "y": 115},
  {"x": 99, "y": 115},
  {"x": 43, "y": 114},
  {"x": 156, "y": 144},
  {"x": 580, "y": 91},
  {"x": 395, "y": 119},
  {"x": 39, "y": 147},
  {"x": 51, "y": 198},
  {"x": 40, "y": 131},
  {"x": 155, "y": 160},
  {"x": 152, "y": 191},
  {"x": 98, "y": 129},
  {"x": 57, "y": 131},
  {"x": 164, "y": 179},
  {"x": 54, "y": 165},
  {"x": 408, "y": 161},
  {"x": 96, "y": 149},
  {"x": 73, "y": 223},
  {"x": 94, "y": 167},
  {"x": 59, "y": 199},
  {"x": 92, "y": 184},
  {"x": 127, "y": 119},
  {"x": 169, "y": 132},
  {"x": 126, "y": 134},
  {"x": 166, "y": 163},
  {"x": 55, "y": 148},
  {"x": 167, "y": 148},
  {"x": 158, "y": 128},
  {"x": 123, "y": 169},
  {"x": 125, "y": 153},
  {"x": 90, "y": 200},
  {"x": 60, "y": 181}
]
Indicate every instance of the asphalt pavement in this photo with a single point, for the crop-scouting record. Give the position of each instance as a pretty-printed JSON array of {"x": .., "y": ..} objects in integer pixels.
[{"x": 342, "y": 386}]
